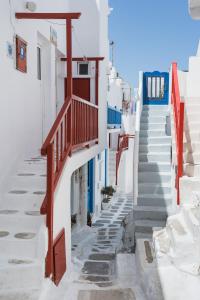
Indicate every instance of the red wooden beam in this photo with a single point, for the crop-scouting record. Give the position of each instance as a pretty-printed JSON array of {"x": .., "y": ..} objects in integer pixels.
[
  {"x": 48, "y": 16},
  {"x": 83, "y": 58},
  {"x": 97, "y": 83},
  {"x": 69, "y": 54}
]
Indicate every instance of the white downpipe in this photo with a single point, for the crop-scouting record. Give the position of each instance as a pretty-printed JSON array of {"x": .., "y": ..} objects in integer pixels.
[{"x": 139, "y": 104}]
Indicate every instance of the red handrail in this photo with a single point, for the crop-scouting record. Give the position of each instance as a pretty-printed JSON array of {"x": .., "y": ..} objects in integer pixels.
[
  {"x": 123, "y": 144},
  {"x": 75, "y": 127},
  {"x": 179, "y": 109}
]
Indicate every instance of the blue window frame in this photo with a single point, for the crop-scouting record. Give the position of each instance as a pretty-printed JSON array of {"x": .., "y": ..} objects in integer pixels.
[{"x": 156, "y": 88}]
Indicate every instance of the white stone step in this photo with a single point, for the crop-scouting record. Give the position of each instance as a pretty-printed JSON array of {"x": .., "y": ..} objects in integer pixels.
[
  {"x": 25, "y": 294},
  {"x": 152, "y": 133},
  {"x": 155, "y": 200},
  {"x": 21, "y": 220},
  {"x": 25, "y": 202},
  {"x": 153, "y": 113},
  {"x": 154, "y": 177},
  {"x": 155, "y": 148},
  {"x": 152, "y": 188},
  {"x": 179, "y": 236},
  {"x": 154, "y": 157},
  {"x": 188, "y": 185},
  {"x": 15, "y": 274},
  {"x": 192, "y": 170},
  {"x": 147, "y": 270},
  {"x": 155, "y": 140},
  {"x": 154, "y": 167},
  {"x": 141, "y": 235},
  {"x": 192, "y": 100},
  {"x": 149, "y": 213},
  {"x": 157, "y": 108},
  {"x": 192, "y": 219},
  {"x": 28, "y": 182},
  {"x": 192, "y": 109},
  {"x": 153, "y": 119},
  {"x": 192, "y": 147},
  {"x": 191, "y": 116},
  {"x": 38, "y": 169},
  {"x": 20, "y": 248},
  {"x": 192, "y": 136},
  {"x": 192, "y": 125},
  {"x": 192, "y": 158},
  {"x": 146, "y": 226},
  {"x": 152, "y": 126}
]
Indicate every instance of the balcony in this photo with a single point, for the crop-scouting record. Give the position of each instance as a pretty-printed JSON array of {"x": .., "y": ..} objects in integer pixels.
[{"x": 114, "y": 117}]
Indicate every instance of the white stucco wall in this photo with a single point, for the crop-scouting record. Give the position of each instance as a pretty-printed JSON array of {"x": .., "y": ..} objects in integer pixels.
[
  {"x": 21, "y": 105},
  {"x": 94, "y": 41},
  {"x": 115, "y": 93},
  {"x": 21, "y": 108},
  {"x": 193, "y": 87},
  {"x": 189, "y": 80},
  {"x": 182, "y": 77}
]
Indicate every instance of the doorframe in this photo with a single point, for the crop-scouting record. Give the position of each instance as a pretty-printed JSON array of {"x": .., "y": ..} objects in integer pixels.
[
  {"x": 91, "y": 175},
  {"x": 156, "y": 101},
  {"x": 48, "y": 83}
]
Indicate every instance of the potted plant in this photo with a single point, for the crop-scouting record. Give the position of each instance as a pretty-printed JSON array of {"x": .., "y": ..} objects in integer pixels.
[{"x": 107, "y": 193}]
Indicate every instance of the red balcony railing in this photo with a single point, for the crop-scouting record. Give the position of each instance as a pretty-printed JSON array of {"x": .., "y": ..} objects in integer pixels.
[
  {"x": 75, "y": 127},
  {"x": 123, "y": 144},
  {"x": 178, "y": 108}
]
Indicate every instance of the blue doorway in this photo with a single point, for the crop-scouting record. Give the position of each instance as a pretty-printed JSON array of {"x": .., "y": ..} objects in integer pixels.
[
  {"x": 156, "y": 88},
  {"x": 91, "y": 186}
]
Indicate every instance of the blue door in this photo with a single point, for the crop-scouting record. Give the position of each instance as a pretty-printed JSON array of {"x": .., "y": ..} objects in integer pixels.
[
  {"x": 91, "y": 186},
  {"x": 156, "y": 88}
]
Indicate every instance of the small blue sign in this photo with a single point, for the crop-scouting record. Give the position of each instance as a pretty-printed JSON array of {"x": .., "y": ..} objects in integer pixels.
[{"x": 22, "y": 53}]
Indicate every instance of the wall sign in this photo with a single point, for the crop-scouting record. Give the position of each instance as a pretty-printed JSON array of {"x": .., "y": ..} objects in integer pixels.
[
  {"x": 21, "y": 55},
  {"x": 9, "y": 49}
]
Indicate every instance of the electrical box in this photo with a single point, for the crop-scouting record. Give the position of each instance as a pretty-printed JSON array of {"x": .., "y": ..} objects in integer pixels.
[{"x": 21, "y": 55}]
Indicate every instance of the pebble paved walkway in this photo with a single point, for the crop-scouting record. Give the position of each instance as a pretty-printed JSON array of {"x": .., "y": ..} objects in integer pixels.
[{"x": 100, "y": 266}]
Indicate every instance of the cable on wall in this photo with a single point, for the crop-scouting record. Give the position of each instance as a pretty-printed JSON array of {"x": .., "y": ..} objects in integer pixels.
[{"x": 10, "y": 15}]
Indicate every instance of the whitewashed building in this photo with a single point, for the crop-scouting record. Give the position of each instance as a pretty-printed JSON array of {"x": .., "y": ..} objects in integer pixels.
[
  {"x": 119, "y": 123},
  {"x": 169, "y": 266},
  {"x": 35, "y": 220}
]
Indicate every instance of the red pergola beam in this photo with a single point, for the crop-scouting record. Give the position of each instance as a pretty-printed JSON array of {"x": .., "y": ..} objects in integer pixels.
[
  {"x": 84, "y": 59},
  {"x": 96, "y": 60},
  {"x": 54, "y": 16}
]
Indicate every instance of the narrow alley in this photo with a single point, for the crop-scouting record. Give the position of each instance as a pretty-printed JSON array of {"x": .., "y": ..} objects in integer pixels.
[{"x": 100, "y": 150}]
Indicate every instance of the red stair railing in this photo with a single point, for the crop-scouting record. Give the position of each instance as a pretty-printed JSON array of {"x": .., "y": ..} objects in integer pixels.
[
  {"x": 123, "y": 144},
  {"x": 75, "y": 127},
  {"x": 178, "y": 109}
]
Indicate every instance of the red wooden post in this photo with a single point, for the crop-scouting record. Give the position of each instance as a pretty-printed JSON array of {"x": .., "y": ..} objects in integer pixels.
[
  {"x": 61, "y": 142},
  {"x": 97, "y": 83},
  {"x": 180, "y": 147},
  {"x": 69, "y": 55},
  {"x": 69, "y": 73},
  {"x": 50, "y": 200}
]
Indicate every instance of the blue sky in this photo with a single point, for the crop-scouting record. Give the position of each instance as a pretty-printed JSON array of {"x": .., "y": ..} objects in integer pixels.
[{"x": 150, "y": 34}]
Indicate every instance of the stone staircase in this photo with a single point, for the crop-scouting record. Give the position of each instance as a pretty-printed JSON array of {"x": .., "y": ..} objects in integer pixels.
[
  {"x": 23, "y": 234},
  {"x": 100, "y": 265},
  {"x": 154, "y": 177},
  {"x": 192, "y": 137},
  {"x": 180, "y": 239}
]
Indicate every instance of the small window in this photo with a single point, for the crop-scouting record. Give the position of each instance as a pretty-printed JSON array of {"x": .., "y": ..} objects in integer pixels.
[
  {"x": 83, "y": 68},
  {"x": 39, "y": 71},
  {"x": 156, "y": 87}
]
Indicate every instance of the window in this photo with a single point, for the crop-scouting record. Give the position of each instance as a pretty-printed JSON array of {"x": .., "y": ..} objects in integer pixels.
[
  {"x": 83, "y": 68},
  {"x": 156, "y": 87},
  {"x": 39, "y": 71}
]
